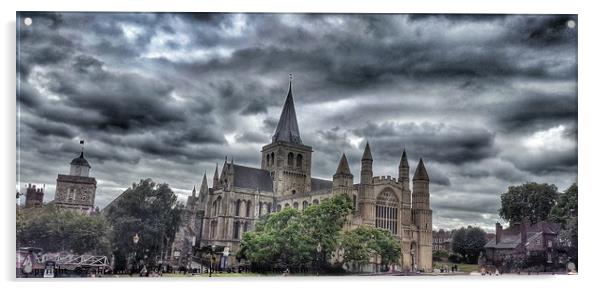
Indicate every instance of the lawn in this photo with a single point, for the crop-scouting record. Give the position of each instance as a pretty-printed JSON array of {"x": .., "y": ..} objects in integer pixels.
[{"x": 467, "y": 268}]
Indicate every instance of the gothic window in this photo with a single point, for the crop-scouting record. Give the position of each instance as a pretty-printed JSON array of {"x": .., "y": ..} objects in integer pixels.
[
  {"x": 299, "y": 160},
  {"x": 248, "y": 213},
  {"x": 237, "y": 211},
  {"x": 316, "y": 201},
  {"x": 386, "y": 211},
  {"x": 291, "y": 158},
  {"x": 245, "y": 227},
  {"x": 305, "y": 204},
  {"x": 354, "y": 201},
  {"x": 279, "y": 207},
  {"x": 214, "y": 208},
  {"x": 260, "y": 208},
  {"x": 296, "y": 205},
  {"x": 213, "y": 229},
  {"x": 273, "y": 158},
  {"x": 218, "y": 203},
  {"x": 269, "y": 205},
  {"x": 236, "y": 230},
  {"x": 267, "y": 163}
]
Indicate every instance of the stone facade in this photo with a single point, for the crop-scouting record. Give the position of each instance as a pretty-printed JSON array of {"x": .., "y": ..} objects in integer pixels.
[
  {"x": 240, "y": 195},
  {"x": 77, "y": 190}
]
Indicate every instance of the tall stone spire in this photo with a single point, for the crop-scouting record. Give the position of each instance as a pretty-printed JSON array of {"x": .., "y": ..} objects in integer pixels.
[
  {"x": 194, "y": 191},
  {"x": 404, "y": 167},
  {"x": 420, "y": 173},
  {"x": 287, "y": 129},
  {"x": 343, "y": 166},
  {"x": 215, "y": 177},
  {"x": 366, "y": 168},
  {"x": 204, "y": 186},
  {"x": 367, "y": 154}
]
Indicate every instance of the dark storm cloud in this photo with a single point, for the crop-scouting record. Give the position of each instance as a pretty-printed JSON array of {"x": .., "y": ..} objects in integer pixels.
[
  {"x": 438, "y": 142},
  {"x": 485, "y": 100}
]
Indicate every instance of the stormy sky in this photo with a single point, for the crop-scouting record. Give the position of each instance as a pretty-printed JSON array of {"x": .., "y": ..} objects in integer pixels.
[{"x": 487, "y": 101}]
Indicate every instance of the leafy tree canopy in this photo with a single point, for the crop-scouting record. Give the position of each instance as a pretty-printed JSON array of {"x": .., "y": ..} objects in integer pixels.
[
  {"x": 58, "y": 230},
  {"x": 532, "y": 201},
  {"x": 149, "y": 210},
  {"x": 365, "y": 242},
  {"x": 469, "y": 242}
]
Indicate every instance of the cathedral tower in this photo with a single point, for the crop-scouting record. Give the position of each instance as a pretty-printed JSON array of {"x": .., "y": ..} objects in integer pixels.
[
  {"x": 422, "y": 217},
  {"x": 366, "y": 199},
  {"x": 287, "y": 159},
  {"x": 342, "y": 180}
]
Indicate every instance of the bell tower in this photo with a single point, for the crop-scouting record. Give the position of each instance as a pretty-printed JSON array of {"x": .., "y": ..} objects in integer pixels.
[{"x": 287, "y": 158}]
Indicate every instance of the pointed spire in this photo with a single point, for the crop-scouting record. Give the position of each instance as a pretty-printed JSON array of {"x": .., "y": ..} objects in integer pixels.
[
  {"x": 404, "y": 160},
  {"x": 204, "y": 186},
  {"x": 420, "y": 173},
  {"x": 343, "y": 166},
  {"x": 288, "y": 129},
  {"x": 194, "y": 191},
  {"x": 367, "y": 154}
]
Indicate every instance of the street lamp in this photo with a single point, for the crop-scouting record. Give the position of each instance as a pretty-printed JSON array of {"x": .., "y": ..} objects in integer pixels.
[
  {"x": 319, "y": 251},
  {"x": 212, "y": 259},
  {"x": 135, "y": 239}
]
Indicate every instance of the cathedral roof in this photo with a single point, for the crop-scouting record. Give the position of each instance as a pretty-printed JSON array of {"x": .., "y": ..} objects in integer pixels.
[
  {"x": 367, "y": 154},
  {"x": 420, "y": 173},
  {"x": 80, "y": 161},
  {"x": 252, "y": 178},
  {"x": 343, "y": 166},
  {"x": 287, "y": 129},
  {"x": 320, "y": 184}
]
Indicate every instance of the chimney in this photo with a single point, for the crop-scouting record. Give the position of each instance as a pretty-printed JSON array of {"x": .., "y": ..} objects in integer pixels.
[
  {"x": 498, "y": 232},
  {"x": 523, "y": 232}
]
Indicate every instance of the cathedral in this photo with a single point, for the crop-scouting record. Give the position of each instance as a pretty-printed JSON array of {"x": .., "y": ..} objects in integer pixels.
[{"x": 240, "y": 195}]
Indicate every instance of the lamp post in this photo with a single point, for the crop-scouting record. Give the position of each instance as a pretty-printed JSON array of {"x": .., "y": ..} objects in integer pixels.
[
  {"x": 135, "y": 239},
  {"x": 212, "y": 259},
  {"x": 319, "y": 251}
]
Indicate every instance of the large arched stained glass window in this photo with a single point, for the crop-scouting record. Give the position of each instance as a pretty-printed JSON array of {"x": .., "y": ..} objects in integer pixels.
[{"x": 387, "y": 206}]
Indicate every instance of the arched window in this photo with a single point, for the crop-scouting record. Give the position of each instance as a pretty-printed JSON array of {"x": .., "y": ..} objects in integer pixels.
[
  {"x": 267, "y": 162},
  {"x": 291, "y": 159},
  {"x": 269, "y": 206},
  {"x": 387, "y": 206},
  {"x": 299, "y": 160},
  {"x": 279, "y": 207},
  {"x": 213, "y": 229},
  {"x": 237, "y": 211},
  {"x": 218, "y": 204},
  {"x": 248, "y": 213},
  {"x": 261, "y": 204},
  {"x": 236, "y": 230},
  {"x": 296, "y": 205},
  {"x": 245, "y": 227},
  {"x": 316, "y": 201},
  {"x": 354, "y": 201},
  {"x": 305, "y": 204},
  {"x": 287, "y": 205},
  {"x": 273, "y": 158},
  {"x": 294, "y": 191}
]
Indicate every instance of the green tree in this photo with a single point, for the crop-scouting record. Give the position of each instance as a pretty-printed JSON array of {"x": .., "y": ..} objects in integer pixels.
[
  {"x": 566, "y": 207},
  {"x": 290, "y": 238},
  {"x": 365, "y": 242},
  {"x": 469, "y": 242},
  {"x": 565, "y": 212},
  {"x": 532, "y": 201},
  {"x": 56, "y": 230},
  {"x": 148, "y": 210}
]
